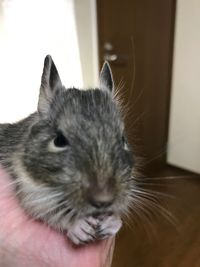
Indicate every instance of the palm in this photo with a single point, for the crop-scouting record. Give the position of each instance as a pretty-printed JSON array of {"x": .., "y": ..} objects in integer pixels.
[{"x": 24, "y": 242}]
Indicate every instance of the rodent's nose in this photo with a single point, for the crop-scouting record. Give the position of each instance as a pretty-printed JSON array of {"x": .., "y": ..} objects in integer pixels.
[
  {"x": 100, "y": 204},
  {"x": 98, "y": 201}
]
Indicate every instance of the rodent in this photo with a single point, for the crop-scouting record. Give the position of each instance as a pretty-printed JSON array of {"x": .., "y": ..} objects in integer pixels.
[{"x": 70, "y": 159}]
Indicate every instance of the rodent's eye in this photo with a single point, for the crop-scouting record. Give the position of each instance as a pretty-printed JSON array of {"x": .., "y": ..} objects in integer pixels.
[
  {"x": 59, "y": 143},
  {"x": 124, "y": 143},
  {"x": 123, "y": 139},
  {"x": 60, "y": 140}
]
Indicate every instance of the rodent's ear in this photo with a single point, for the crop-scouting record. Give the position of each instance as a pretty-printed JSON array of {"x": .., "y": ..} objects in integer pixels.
[
  {"x": 50, "y": 84},
  {"x": 106, "y": 77}
]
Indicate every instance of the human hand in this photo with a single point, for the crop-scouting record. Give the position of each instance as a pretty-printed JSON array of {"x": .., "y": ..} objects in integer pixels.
[{"x": 28, "y": 243}]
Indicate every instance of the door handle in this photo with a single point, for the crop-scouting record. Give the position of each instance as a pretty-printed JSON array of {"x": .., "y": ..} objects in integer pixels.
[
  {"x": 110, "y": 57},
  {"x": 116, "y": 59}
]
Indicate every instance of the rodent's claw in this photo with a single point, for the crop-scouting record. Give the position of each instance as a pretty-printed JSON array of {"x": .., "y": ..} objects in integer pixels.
[
  {"x": 109, "y": 226},
  {"x": 92, "y": 221},
  {"x": 83, "y": 231}
]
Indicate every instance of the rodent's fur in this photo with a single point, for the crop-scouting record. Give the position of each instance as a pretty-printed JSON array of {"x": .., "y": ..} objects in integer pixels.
[{"x": 70, "y": 159}]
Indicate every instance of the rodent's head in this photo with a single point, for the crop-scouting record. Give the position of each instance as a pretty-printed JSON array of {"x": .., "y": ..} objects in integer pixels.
[{"x": 76, "y": 155}]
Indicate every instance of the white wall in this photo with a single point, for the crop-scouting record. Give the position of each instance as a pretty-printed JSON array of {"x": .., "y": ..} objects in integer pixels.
[
  {"x": 184, "y": 132},
  {"x": 29, "y": 30},
  {"x": 86, "y": 21}
]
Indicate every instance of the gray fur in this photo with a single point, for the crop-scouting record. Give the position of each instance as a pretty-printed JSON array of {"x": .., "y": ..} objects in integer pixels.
[{"x": 57, "y": 187}]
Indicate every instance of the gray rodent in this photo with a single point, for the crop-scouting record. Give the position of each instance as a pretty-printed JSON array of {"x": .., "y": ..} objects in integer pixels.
[{"x": 70, "y": 159}]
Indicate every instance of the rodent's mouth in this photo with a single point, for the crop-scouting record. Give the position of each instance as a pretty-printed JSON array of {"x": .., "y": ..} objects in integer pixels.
[{"x": 100, "y": 214}]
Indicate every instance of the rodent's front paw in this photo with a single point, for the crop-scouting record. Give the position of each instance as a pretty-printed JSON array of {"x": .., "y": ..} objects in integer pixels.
[
  {"x": 90, "y": 229},
  {"x": 109, "y": 226},
  {"x": 83, "y": 231}
]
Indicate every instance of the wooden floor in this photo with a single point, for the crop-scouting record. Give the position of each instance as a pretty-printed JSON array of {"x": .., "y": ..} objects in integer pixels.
[{"x": 161, "y": 243}]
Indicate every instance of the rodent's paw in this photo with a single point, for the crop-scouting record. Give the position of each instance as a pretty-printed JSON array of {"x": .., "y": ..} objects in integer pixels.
[
  {"x": 90, "y": 229},
  {"x": 83, "y": 231},
  {"x": 109, "y": 226}
]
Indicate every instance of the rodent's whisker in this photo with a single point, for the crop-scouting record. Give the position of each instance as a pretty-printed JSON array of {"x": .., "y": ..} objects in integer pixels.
[
  {"x": 52, "y": 210},
  {"x": 143, "y": 218},
  {"x": 133, "y": 54},
  {"x": 137, "y": 98},
  {"x": 152, "y": 193},
  {"x": 62, "y": 201},
  {"x": 142, "y": 200},
  {"x": 129, "y": 221},
  {"x": 142, "y": 210},
  {"x": 67, "y": 212},
  {"x": 144, "y": 197},
  {"x": 143, "y": 183},
  {"x": 164, "y": 178},
  {"x": 118, "y": 88},
  {"x": 137, "y": 118},
  {"x": 156, "y": 207},
  {"x": 15, "y": 182},
  {"x": 52, "y": 197}
]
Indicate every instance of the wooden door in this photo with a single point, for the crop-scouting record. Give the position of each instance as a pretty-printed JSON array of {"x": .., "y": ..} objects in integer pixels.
[{"x": 136, "y": 36}]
